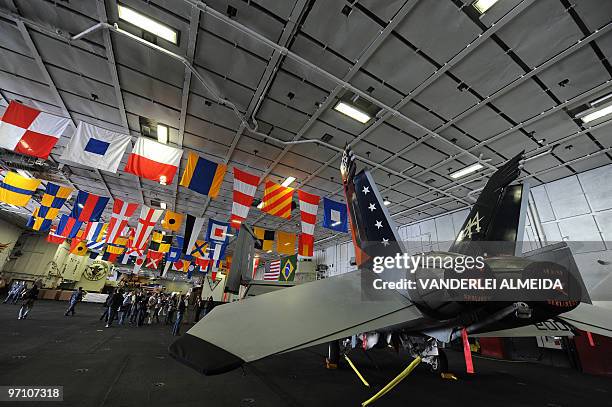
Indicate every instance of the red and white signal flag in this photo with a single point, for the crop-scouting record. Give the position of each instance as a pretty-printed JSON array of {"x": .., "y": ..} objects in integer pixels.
[
  {"x": 309, "y": 205},
  {"x": 29, "y": 131},
  {"x": 122, "y": 211},
  {"x": 245, "y": 186},
  {"x": 146, "y": 223},
  {"x": 155, "y": 161}
]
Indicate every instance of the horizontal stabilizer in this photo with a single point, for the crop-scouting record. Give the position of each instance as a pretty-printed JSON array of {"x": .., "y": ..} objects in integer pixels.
[
  {"x": 286, "y": 320},
  {"x": 591, "y": 318},
  {"x": 550, "y": 327}
]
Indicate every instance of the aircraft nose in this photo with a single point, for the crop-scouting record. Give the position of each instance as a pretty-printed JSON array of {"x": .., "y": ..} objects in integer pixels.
[{"x": 203, "y": 356}]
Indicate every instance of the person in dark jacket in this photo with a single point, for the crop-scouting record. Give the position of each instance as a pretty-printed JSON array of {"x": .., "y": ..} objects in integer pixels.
[
  {"x": 198, "y": 308},
  {"x": 29, "y": 297},
  {"x": 104, "y": 315},
  {"x": 180, "y": 312},
  {"x": 113, "y": 307},
  {"x": 142, "y": 310},
  {"x": 76, "y": 297},
  {"x": 170, "y": 310}
]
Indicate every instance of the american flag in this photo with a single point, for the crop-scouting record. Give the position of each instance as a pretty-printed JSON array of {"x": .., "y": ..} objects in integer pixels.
[{"x": 273, "y": 272}]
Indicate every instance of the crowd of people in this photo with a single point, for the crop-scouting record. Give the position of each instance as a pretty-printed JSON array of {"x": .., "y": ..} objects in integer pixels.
[
  {"x": 141, "y": 307},
  {"x": 136, "y": 308}
]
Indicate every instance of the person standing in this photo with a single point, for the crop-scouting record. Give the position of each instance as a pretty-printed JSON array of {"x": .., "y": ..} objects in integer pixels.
[
  {"x": 210, "y": 304},
  {"x": 158, "y": 307},
  {"x": 125, "y": 308},
  {"x": 74, "y": 299},
  {"x": 180, "y": 311},
  {"x": 29, "y": 297},
  {"x": 164, "y": 305},
  {"x": 171, "y": 309},
  {"x": 106, "y": 304},
  {"x": 198, "y": 308},
  {"x": 151, "y": 307},
  {"x": 135, "y": 308},
  {"x": 114, "y": 305},
  {"x": 142, "y": 309}
]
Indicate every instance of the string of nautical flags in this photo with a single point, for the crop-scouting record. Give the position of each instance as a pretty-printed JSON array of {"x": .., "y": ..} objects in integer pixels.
[{"x": 29, "y": 131}]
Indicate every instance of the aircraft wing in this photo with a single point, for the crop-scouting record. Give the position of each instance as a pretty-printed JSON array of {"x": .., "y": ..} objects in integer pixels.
[{"x": 286, "y": 320}]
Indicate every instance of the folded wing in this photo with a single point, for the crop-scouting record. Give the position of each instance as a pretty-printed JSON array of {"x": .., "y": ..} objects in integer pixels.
[{"x": 286, "y": 320}]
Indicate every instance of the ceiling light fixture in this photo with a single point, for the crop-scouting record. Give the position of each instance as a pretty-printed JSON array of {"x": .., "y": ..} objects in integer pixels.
[
  {"x": 596, "y": 114},
  {"x": 482, "y": 6},
  {"x": 260, "y": 205},
  {"x": 336, "y": 223},
  {"x": 465, "y": 171},
  {"x": 600, "y": 100},
  {"x": 236, "y": 221},
  {"x": 148, "y": 24},
  {"x": 288, "y": 181},
  {"x": 386, "y": 202},
  {"x": 352, "y": 112},
  {"x": 162, "y": 205},
  {"x": 162, "y": 133}
]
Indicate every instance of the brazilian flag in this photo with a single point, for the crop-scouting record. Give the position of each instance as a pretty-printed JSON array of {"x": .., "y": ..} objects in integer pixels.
[{"x": 288, "y": 268}]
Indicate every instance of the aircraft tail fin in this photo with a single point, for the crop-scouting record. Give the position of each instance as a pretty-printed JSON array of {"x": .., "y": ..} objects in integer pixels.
[
  {"x": 496, "y": 215},
  {"x": 371, "y": 225}
]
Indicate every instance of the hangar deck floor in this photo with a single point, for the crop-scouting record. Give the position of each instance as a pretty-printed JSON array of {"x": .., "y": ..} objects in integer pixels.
[{"x": 126, "y": 366}]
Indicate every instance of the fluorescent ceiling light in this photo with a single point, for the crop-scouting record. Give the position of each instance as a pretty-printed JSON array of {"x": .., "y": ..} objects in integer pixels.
[
  {"x": 336, "y": 223},
  {"x": 236, "y": 221},
  {"x": 352, "y": 112},
  {"x": 597, "y": 114},
  {"x": 483, "y": 5},
  {"x": 600, "y": 100},
  {"x": 162, "y": 133},
  {"x": 288, "y": 181},
  {"x": 228, "y": 234},
  {"x": 147, "y": 24},
  {"x": 162, "y": 205},
  {"x": 465, "y": 171}
]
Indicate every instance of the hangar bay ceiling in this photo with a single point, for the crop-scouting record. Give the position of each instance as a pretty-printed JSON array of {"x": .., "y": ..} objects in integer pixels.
[{"x": 447, "y": 88}]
